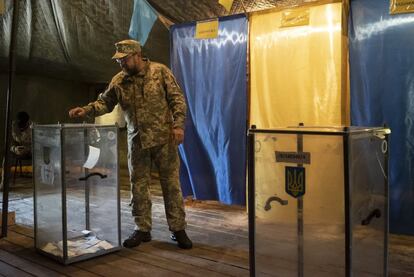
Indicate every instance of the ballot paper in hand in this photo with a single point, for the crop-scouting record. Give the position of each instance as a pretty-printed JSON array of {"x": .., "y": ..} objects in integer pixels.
[{"x": 93, "y": 157}]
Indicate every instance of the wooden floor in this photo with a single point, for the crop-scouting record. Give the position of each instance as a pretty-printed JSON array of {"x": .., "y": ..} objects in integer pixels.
[{"x": 219, "y": 234}]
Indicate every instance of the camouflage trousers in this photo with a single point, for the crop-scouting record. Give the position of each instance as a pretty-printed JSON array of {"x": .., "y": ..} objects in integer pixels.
[{"x": 165, "y": 157}]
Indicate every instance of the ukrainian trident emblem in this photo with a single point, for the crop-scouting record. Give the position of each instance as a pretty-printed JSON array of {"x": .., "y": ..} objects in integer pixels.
[{"x": 295, "y": 181}]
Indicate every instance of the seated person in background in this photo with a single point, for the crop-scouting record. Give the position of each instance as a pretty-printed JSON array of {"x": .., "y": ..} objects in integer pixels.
[{"x": 21, "y": 145}]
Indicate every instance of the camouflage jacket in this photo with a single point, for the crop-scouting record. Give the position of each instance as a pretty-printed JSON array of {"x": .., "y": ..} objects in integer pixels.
[
  {"x": 151, "y": 100},
  {"x": 21, "y": 138}
]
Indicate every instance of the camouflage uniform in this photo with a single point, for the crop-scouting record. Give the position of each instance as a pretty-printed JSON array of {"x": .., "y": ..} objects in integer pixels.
[{"x": 153, "y": 104}]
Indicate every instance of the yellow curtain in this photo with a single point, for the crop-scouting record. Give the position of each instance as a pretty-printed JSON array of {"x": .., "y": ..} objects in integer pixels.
[{"x": 296, "y": 67}]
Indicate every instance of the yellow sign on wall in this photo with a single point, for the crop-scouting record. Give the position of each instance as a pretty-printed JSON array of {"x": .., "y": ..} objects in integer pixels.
[
  {"x": 401, "y": 6},
  {"x": 207, "y": 29},
  {"x": 2, "y": 7},
  {"x": 298, "y": 17}
]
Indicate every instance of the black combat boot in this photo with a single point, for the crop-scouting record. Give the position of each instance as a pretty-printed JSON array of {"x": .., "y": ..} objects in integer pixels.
[
  {"x": 182, "y": 239},
  {"x": 136, "y": 238}
]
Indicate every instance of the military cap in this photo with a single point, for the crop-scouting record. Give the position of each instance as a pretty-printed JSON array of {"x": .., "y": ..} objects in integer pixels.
[{"x": 126, "y": 47}]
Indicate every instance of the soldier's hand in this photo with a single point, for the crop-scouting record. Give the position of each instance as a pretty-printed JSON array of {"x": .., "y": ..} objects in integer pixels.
[
  {"x": 77, "y": 112},
  {"x": 178, "y": 135}
]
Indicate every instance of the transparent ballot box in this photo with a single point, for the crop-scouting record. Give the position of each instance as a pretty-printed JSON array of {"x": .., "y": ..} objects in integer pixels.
[
  {"x": 76, "y": 191},
  {"x": 318, "y": 201}
]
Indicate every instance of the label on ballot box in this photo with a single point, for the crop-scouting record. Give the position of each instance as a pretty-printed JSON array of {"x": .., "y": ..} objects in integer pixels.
[{"x": 293, "y": 157}]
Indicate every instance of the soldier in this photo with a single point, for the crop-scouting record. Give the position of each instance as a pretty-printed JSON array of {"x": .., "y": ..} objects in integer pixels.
[{"x": 154, "y": 109}]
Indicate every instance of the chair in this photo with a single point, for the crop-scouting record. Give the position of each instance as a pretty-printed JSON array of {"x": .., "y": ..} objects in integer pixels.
[{"x": 18, "y": 162}]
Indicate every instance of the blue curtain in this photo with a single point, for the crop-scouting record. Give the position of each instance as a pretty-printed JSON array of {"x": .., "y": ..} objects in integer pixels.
[
  {"x": 382, "y": 91},
  {"x": 212, "y": 73}
]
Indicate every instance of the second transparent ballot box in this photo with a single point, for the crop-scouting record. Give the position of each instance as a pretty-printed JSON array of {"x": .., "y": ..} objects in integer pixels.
[
  {"x": 76, "y": 191},
  {"x": 318, "y": 201}
]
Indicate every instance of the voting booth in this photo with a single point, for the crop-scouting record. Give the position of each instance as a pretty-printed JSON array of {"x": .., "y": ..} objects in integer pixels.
[
  {"x": 76, "y": 190},
  {"x": 318, "y": 201}
]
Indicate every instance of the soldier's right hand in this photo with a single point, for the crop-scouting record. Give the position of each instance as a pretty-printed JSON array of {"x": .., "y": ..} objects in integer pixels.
[{"x": 77, "y": 112}]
